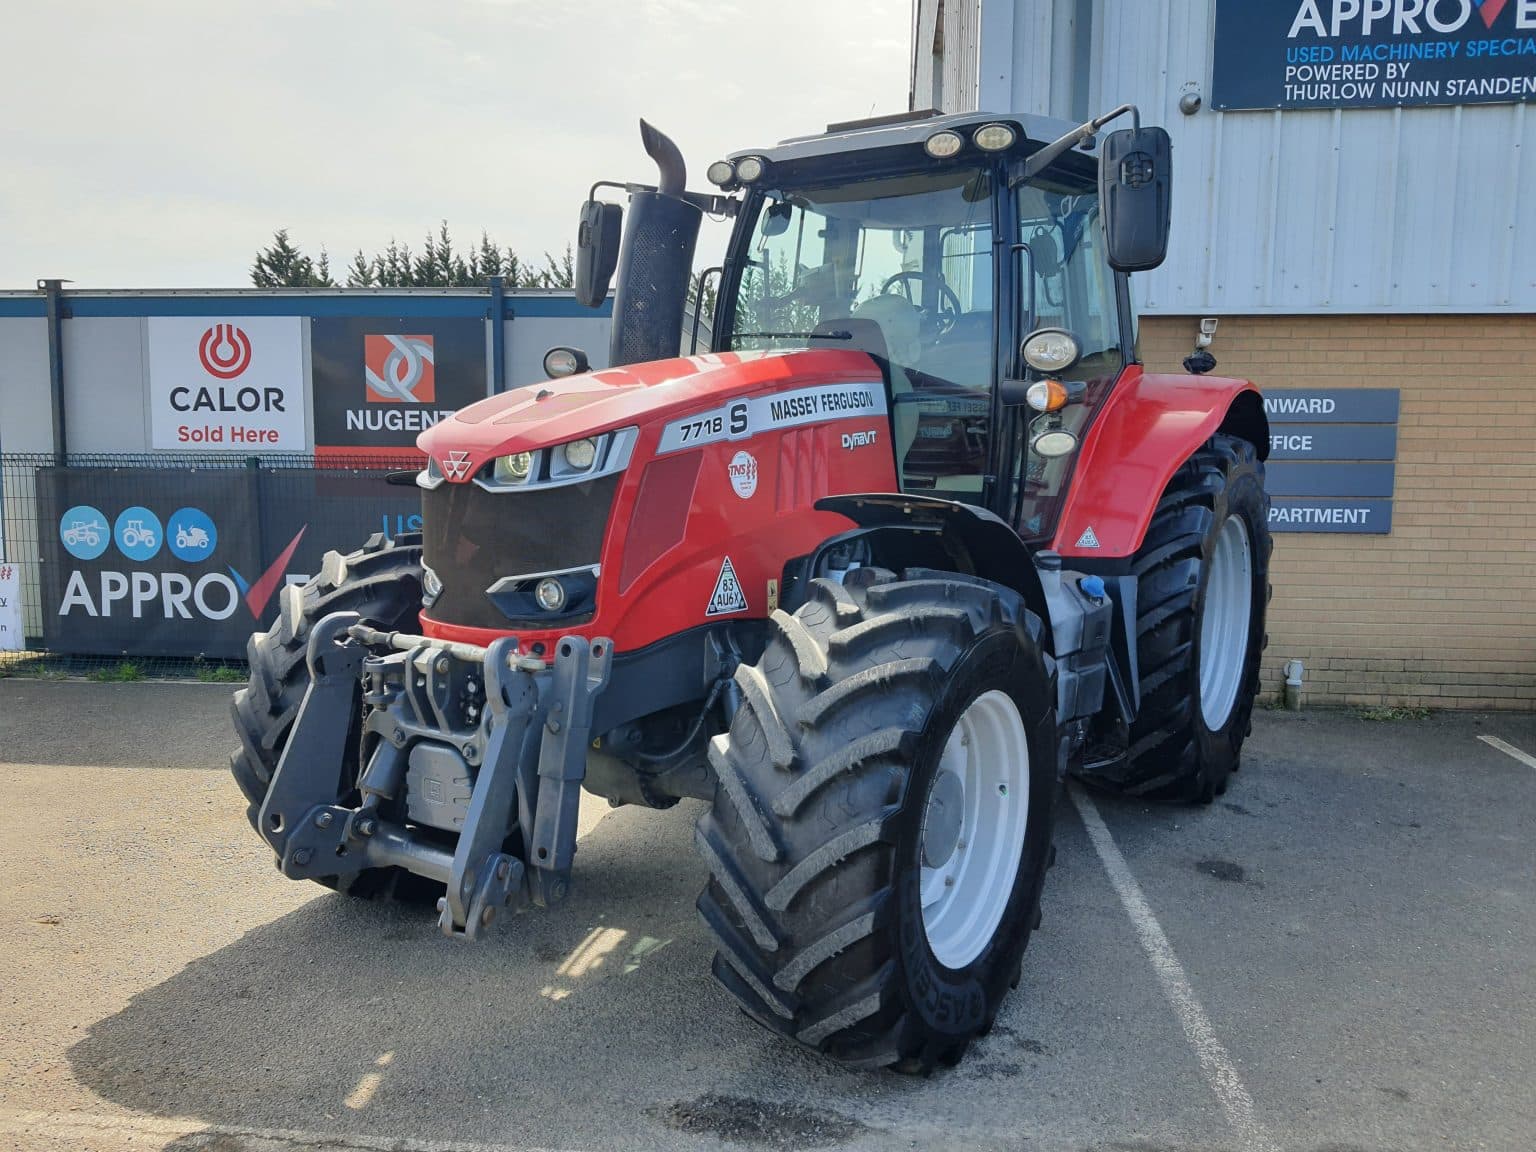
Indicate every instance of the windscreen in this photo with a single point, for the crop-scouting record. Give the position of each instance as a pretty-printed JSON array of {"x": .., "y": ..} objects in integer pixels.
[{"x": 900, "y": 267}]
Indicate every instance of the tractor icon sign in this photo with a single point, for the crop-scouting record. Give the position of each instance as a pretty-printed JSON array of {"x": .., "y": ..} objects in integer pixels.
[
  {"x": 84, "y": 533},
  {"x": 135, "y": 535},
  {"x": 191, "y": 537},
  {"x": 88, "y": 535},
  {"x": 137, "y": 532}
]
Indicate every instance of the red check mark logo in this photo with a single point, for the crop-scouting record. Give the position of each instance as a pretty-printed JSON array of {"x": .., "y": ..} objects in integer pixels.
[{"x": 258, "y": 594}]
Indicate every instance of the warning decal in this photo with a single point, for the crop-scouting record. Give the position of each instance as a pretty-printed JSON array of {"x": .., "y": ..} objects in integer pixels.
[{"x": 728, "y": 595}]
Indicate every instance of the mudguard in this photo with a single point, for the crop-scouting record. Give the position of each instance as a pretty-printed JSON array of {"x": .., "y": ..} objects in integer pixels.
[{"x": 1147, "y": 428}]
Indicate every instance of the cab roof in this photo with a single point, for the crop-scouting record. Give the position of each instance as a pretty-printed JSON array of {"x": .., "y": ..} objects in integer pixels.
[{"x": 905, "y": 129}]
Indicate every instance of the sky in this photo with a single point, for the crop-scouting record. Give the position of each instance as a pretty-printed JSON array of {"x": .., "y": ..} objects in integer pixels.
[{"x": 159, "y": 144}]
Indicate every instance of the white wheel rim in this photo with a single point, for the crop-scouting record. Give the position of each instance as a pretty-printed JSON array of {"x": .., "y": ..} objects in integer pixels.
[
  {"x": 969, "y": 864},
  {"x": 1224, "y": 622}
]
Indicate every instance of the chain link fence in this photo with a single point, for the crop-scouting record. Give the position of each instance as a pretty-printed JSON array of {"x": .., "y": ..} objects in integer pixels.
[{"x": 122, "y": 572}]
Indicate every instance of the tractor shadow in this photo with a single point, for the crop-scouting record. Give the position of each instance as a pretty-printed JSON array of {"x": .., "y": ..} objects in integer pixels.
[{"x": 595, "y": 1025}]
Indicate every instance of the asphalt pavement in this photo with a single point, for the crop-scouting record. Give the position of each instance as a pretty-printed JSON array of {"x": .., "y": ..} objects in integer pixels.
[{"x": 1345, "y": 942}]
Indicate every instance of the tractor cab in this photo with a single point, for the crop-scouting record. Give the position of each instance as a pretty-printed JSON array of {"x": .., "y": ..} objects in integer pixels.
[{"x": 944, "y": 247}]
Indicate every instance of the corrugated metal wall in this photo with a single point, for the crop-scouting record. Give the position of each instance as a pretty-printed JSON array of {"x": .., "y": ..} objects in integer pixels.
[
  {"x": 953, "y": 27},
  {"x": 1375, "y": 210}
]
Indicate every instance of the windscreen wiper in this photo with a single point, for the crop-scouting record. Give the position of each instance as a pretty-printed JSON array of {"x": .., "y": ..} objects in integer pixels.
[{"x": 793, "y": 335}]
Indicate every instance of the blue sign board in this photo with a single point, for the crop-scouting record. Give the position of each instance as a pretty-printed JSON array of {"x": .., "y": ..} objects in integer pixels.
[
  {"x": 1373, "y": 53},
  {"x": 1331, "y": 454}
]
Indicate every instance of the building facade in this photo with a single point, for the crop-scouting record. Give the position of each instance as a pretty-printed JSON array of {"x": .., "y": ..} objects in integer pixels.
[{"x": 1355, "y": 205}]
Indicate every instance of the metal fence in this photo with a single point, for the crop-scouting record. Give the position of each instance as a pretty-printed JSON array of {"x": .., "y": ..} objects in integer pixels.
[{"x": 341, "y": 501}]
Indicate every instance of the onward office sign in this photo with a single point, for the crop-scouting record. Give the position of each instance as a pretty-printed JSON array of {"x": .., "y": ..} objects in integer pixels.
[
  {"x": 1331, "y": 459},
  {"x": 1373, "y": 53}
]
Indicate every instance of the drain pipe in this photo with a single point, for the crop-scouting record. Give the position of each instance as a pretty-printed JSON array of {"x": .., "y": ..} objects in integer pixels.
[{"x": 1293, "y": 674}]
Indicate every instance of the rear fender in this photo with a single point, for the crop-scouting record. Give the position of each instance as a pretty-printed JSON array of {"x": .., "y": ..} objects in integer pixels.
[{"x": 1147, "y": 428}]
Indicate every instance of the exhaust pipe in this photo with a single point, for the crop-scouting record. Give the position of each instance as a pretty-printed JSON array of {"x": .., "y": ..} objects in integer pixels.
[{"x": 656, "y": 263}]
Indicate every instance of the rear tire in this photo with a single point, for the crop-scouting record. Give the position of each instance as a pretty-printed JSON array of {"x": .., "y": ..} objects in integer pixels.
[
  {"x": 381, "y": 582},
  {"x": 1202, "y": 589},
  {"x": 833, "y": 825}
]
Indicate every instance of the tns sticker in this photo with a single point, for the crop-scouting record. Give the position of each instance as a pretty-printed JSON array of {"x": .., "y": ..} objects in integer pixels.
[
  {"x": 728, "y": 596},
  {"x": 743, "y": 471}
]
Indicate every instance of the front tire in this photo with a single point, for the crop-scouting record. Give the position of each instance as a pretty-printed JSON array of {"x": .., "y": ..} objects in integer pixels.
[
  {"x": 1202, "y": 589},
  {"x": 381, "y": 582},
  {"x": 895, "y": 734}
]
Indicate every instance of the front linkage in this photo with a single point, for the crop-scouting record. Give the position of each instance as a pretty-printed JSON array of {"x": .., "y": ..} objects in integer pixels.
[{"x": 492, "y": 744}]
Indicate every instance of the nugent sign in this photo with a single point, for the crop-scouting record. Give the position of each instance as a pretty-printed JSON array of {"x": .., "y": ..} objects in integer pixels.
[{"x": 227, "y": 384}]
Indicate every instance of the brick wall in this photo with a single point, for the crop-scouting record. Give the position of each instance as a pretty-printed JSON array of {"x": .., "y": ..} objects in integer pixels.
[{"x": 1441, "y": 612}]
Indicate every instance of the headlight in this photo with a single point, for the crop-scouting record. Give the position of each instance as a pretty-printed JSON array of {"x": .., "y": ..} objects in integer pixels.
[
  {"x": 513, "y": 469},
  {"x": 993, "y": 137},
  {"x": 749, "y": 169},
  {"x": 721, "y": 172},
  {"x": 550, "y": 595},
  {"x": 943, "y": 145},
  {"x": 1051, "y": 350},
  {"x": 561, "y": 362},
  {"x": 1053, "y": 444},
  {"x": 580, "y": 454}
]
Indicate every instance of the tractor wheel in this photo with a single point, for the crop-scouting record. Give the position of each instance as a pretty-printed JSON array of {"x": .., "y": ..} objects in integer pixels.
[
  {"x": 1202, "y": 587},
  {"x": 381, "y": 582},
  {"x": 882, "y": 825}
]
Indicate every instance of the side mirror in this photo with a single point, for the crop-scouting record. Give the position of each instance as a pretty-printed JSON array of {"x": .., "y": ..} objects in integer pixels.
[
  {"x": 597, "y": 251},
  {"x": 1135, "y": 197}
]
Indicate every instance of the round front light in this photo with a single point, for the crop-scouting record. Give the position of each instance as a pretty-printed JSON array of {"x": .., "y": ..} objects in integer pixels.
[
  {"x": 943, "y": 145},
  {"x": 994, "y": 137},
  {"x": 513, "y": 469},
  {"x": 1051, "y": 350},
  {"x": 580, "y": 454},
  {"x": 749, "y": 169},
  {"x": 550, "y": 595},
  {"x": 1053, "y": 444},
  {"x": 560, "y": 362},
  {"x": 721, "y": 172}
]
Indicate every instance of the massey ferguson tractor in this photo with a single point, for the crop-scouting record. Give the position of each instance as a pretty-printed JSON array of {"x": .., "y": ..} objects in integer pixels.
[{"x": 915, "y": 538}]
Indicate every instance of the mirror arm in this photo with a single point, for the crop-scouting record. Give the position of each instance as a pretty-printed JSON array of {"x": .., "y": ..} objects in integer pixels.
[
  {"x": 710, "y": 204},
  {"x": 1037, "y": 162}
]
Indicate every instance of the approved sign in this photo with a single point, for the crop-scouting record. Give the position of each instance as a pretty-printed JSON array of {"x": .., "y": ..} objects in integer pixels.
[{"x": 227, "y": 383}]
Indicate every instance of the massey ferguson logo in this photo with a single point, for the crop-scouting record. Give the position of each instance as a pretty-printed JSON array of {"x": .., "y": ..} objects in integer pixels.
[
  {"x": 224, "y": 351},
  {"x": 399, "y": 369},
  {"x": 852, "y": 440},
  {"x": 455, "y": 465}
]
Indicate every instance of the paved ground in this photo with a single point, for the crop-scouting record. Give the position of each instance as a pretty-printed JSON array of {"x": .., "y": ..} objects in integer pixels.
[{"x": 1344, "y": 961}]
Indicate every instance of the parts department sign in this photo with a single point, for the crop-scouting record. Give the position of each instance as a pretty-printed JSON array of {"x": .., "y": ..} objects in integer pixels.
[
  {"x": 380, "y": 382},
  {"x": 1373, "y": 53},
  {"x": 227, "y": 383},
  {"x": 1332, "y": 456}
]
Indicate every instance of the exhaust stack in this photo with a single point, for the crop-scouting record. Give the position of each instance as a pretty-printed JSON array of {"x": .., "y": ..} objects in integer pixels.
[{"x": 656, "y": 262}]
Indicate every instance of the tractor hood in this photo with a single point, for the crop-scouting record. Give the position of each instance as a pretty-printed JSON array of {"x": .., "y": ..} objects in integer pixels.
[{"x": 644, "y": 395}]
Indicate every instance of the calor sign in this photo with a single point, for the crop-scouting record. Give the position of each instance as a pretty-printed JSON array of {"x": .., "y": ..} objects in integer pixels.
[{"x": 227, "y": 383}]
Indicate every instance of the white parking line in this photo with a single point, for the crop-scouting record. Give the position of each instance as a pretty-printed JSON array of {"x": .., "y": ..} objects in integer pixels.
[
  {"x": 1509, "y": 750},
  {"x": 75, "y": 1127},
  {"x": 1216, "y": 1065}
]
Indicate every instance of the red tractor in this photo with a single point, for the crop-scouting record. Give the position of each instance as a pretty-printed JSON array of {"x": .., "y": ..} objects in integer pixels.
[{"x": 914, "y": 540}]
